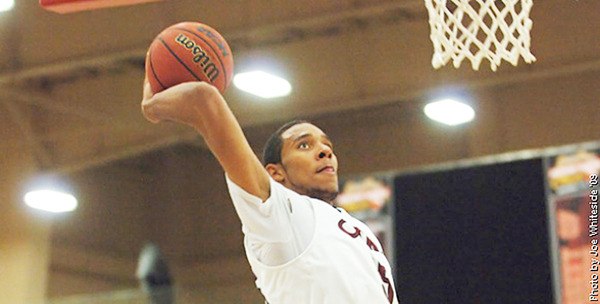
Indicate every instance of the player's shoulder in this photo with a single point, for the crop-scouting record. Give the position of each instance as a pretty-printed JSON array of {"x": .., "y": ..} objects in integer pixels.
[{"x": 278, "y": 189}]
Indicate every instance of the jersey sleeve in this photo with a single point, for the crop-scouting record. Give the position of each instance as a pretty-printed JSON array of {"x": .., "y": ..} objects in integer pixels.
[{"x": 265, "y": 222}]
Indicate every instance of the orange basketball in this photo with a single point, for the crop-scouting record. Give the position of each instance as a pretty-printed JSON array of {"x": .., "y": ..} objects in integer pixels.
[{"x": 189, "y": 51}]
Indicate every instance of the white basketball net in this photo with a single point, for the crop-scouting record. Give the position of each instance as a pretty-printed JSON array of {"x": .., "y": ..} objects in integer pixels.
[{"x": 478, "y": 29}]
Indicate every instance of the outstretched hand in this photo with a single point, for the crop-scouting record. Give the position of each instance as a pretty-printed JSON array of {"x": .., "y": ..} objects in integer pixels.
[{"x": 180, "y": 103}]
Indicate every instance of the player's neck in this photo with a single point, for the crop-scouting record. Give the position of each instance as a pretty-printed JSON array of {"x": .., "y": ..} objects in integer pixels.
[
  {"x": 326, "y": 196},
  {"x": 319, "y": 194}
]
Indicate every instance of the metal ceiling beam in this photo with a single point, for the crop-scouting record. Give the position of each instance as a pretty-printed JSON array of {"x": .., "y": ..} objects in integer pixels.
[
  {"x": 54, "y": 105},
  {"x": 68, "y": 66},
  {"x": 24, "y": 123},
  {"x": 131, "y": 151}
]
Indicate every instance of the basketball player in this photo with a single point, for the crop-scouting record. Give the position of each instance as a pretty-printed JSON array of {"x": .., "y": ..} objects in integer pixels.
[{"x": 300, "y": 248}]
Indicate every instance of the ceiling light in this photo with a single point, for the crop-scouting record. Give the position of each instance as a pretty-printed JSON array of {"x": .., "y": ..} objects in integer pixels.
[
  {"x": 450, "y": 112},
  {"x": 50, "y": 200},
  {"x": 262, "y": 84},
  {"x": 6, "y": 5}
]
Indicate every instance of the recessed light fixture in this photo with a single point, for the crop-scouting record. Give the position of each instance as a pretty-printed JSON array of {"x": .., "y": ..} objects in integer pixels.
[
  {"x": 262, "y": 84},
  {"x": 50, "y": 200},
  {"x": 449, "y": 112},
  {"x": 6, "y": 5}
]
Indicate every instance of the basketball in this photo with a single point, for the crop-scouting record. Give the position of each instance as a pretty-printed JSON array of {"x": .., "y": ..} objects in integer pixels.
[{"x": 189, "y": 51}]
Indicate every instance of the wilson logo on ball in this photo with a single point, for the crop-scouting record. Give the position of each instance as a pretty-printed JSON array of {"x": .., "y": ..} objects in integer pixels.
[{"x": 200, "y": 57}]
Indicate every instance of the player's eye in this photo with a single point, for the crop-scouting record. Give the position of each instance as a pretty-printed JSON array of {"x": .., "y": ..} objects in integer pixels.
[{"x": 303, "y": 145}]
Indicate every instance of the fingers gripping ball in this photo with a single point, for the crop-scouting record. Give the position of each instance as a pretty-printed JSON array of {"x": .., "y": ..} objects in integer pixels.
[{"x": 189, "y": 51}]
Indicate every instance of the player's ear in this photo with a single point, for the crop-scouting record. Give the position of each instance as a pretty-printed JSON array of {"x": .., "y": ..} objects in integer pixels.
[{"x": 276, "y": 172}]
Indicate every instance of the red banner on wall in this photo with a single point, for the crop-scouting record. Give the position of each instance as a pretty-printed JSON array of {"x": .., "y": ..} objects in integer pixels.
[{"x": 70, "y": 6}]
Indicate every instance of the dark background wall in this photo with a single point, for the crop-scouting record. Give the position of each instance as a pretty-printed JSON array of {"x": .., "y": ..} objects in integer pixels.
[{"x": 473, "y": 235}]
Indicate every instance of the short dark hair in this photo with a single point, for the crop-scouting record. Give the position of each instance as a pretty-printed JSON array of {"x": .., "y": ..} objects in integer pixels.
[{"x": 272, "y": 148}]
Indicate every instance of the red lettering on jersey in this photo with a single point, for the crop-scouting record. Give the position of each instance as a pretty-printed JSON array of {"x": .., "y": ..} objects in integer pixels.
[
  {"x": 381, "y": 269},
  {"x": 372, "y": 245},
  {"x": 384, "y": 278},
  {"x": 354, "y": 234}
]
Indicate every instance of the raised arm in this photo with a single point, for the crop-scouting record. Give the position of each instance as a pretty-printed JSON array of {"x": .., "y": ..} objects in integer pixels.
[{"x": 201, "y": 106}]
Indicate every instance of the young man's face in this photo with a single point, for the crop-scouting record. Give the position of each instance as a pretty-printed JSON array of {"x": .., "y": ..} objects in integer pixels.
[{"x": 308, "y": 164}]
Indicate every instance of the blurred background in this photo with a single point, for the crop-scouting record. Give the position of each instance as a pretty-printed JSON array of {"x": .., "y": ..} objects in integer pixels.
[{"x": 70, "y": 92}]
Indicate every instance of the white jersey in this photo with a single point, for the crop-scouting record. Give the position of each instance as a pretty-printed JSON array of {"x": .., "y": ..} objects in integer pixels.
[{"x": 303, "y": 250}]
